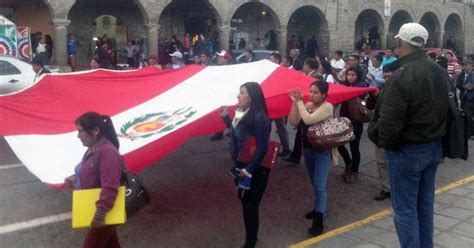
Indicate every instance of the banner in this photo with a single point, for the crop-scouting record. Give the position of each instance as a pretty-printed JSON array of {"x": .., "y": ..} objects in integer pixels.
[{"x": 153, "y": 111}]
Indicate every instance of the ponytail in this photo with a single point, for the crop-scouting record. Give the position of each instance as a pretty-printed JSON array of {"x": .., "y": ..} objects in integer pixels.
[
  {"x": 91, "y": 120},
  {"x": 109, "y": 132}
]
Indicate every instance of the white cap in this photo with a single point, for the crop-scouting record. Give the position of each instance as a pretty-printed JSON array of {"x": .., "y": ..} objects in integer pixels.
[
  {"x": 224, "y": 53},
  {"x": 177, "y": 54},
  {"x": 413, "y": 33}
]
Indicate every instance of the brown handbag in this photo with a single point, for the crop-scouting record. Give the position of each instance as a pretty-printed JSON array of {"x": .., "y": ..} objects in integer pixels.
[
  {"x": 358, "y": 110},
  {"x": 332, "y": 132}
]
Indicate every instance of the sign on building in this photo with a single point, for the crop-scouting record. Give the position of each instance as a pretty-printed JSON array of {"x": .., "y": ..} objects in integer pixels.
[{"x": 14, "y": 41}]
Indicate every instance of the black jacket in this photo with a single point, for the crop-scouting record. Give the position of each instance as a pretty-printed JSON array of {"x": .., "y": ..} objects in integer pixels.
[{"x": 413, "y": 106}]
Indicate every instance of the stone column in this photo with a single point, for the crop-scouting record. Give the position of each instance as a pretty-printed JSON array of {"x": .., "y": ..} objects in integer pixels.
[
  {"x": 282, "y": 40},
  {"x": 382, "y": 40},
  {"x": 224, "y": 35},
  {"x": 60, "y": 41},
  {"x": 152, "y": 37},
  {"x": 439, "y": 38}
]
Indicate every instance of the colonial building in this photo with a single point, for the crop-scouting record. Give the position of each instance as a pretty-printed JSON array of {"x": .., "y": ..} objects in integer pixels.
[{"x": 337, "y": 24}]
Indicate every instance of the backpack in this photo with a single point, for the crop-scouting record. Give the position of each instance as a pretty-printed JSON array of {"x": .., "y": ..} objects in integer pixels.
[{"x": 455, "y": 141}]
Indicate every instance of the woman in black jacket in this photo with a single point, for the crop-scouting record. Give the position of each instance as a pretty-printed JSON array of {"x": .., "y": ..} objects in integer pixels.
[
  {"x": 250, "y": 121},
  {"x": 352, "y": 161}
]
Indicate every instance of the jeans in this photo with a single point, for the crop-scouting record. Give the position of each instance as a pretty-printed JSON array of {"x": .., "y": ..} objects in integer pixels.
[
  {"x": 412, "y": 171},
  {"x": 318, "y": 163},
  {"x": 354, "y": 145},
  {"x": 251, "y": 203}
]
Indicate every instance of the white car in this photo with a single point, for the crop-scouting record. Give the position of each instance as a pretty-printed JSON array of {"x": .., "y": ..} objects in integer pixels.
[{"x": 16, "y": 74}]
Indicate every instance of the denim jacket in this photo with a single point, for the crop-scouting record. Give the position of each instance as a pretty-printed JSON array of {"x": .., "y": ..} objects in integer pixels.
[{"x": 260, "y": 129}]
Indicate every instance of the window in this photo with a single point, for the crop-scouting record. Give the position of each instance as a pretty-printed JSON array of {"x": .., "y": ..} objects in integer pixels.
[{"x": 8, "y": 69}]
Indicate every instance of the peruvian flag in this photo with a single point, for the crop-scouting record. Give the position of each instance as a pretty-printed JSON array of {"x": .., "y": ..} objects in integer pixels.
[{"x": 153, "y": 111}]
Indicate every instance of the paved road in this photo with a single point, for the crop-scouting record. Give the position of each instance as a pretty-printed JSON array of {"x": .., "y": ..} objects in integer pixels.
[{"x": 194, "y": 203}]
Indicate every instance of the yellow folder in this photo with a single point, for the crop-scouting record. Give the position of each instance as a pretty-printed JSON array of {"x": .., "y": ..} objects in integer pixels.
[{"x": 83, "y": 207}]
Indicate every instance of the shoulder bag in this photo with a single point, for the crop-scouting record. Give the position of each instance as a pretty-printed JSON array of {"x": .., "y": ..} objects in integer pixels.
[
  {"x": 358, "y": 110},
  {"x": 332, "y": 132}
]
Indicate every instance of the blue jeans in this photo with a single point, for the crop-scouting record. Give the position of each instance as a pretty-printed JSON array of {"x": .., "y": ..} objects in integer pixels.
[
  {"x": 412, "y": 171},
  {"x": 318, "y": 163}
]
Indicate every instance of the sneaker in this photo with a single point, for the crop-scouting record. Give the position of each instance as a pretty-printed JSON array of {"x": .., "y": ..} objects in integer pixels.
[
  {"x": 245, "y": 182},
  {"x": 218, "y": 136},
  {"x": 234, "y": 172},
  {"x": 382, "y": 195},
  {"x": 291, "y": 160},
  {"x": 284, "y": 153}
]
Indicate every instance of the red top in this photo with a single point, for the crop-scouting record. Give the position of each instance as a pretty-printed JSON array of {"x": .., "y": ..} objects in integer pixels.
[{"x": 109, "y": 161}]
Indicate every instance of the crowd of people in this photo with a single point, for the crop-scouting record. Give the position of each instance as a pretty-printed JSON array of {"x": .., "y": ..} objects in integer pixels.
[{"x": 409, "y": 103}]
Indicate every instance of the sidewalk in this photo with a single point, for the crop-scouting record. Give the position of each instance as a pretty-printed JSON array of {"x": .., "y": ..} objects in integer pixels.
[{"x": 453, "y": 222}]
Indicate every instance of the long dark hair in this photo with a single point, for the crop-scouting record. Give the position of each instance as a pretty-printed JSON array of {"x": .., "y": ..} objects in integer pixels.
[
  {"x": 328, "y": 70},
  {"x": 257, "y": 103},
  {"x": 358, "y": 72},
  {"x": 90, "y": 120},
  {"x": 322, "y": 86}
]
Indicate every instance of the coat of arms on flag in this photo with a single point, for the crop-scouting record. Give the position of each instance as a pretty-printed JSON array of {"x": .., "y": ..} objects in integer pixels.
[{"x": 154, "y": 123}]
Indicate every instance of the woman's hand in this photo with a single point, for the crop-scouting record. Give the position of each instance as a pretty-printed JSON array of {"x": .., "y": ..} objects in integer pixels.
[
  {"x": 69, "y": 182},
  {"x": 97, "y": 223},
  {"x": 225, "y": 112},
  {"x": 295, "y": 95}
]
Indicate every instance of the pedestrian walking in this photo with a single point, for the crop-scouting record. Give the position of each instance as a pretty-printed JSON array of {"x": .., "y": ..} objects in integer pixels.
[
  {"x": 317, "y": 161},
  {"x": 97, "y": 133},
  {"x": 353, "y": 77}
]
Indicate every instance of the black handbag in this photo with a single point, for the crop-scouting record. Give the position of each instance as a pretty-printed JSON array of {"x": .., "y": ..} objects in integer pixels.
[
  {"x": 455, "y": 141},
  {"x": 136, "y": 196}
]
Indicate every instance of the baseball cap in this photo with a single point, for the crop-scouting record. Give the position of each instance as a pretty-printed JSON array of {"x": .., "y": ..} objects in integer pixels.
[
  {"x": 224, "y": 53},
  {"x": 413, "y": 33},
  {"x": 177, "y": 54}
]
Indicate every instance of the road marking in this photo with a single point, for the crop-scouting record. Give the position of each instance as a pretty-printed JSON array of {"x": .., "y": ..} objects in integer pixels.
[
  {"x": 34, "y": 223},
  {"x": 372, "y": 218},
  {"x": 10, "y": 166}
]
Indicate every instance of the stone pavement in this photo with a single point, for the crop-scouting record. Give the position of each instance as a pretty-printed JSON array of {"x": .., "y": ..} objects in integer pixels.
[{"x": 453, "y": 222}]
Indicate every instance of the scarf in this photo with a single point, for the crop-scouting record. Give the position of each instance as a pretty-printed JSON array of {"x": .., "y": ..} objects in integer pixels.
[{"x": 239, "y": 114}]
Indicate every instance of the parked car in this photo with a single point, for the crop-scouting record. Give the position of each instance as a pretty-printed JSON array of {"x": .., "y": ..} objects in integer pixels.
[{"x": 17, "y": 74}]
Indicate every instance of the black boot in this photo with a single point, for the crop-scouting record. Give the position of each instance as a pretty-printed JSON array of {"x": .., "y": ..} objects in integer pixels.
[
  {"x": 309, "y": 215},
  {"x": 317, "y": 228}
]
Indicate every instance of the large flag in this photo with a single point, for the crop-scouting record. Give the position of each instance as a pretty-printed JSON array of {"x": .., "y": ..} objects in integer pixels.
[{"x": 153, "y": 111}]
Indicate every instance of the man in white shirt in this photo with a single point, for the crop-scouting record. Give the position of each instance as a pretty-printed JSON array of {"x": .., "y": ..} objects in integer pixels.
[
  {"x": 375, "y": 74},
  {"x": 337, "y": 62}
]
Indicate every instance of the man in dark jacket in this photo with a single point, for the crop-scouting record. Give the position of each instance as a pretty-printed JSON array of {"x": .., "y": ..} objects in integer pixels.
[
  {"x": 409, "y": 122},
  {"x": 38, "y": 68}
]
